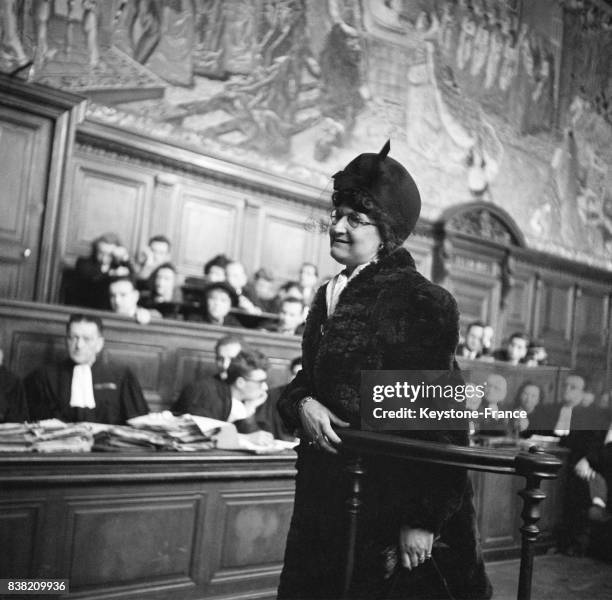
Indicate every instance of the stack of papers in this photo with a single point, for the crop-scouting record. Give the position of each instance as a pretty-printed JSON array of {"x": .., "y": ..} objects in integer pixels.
[
  {"x": 50, "y": 435},
  {"x": 16, "y": 437},
  {"x": 180, "y": 433}
]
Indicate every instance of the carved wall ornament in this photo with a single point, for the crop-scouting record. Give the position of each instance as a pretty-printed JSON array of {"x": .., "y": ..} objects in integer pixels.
[{"x": 483, "y": 223}]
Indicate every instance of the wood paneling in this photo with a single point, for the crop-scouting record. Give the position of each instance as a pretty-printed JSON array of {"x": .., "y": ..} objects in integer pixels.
[
  {"x": 555, "y": 312},
  {"x": 157, "y": 526},
  {"x": 591, "y": 318},
  {"x": 20, "y": 522},
  {"x": 154, "y": 526},
  {"x": 106, "y": 535},
  {"x": 209, "y": 222},
  {"x": 252, "y": 522},
  {"x": 107, "y": 198},
  {"x": 477, "y": 298},
  {"x": 498, "y": 502},
  {"x": 518, "y": 313},
  {"x": 281, "y": 229}
]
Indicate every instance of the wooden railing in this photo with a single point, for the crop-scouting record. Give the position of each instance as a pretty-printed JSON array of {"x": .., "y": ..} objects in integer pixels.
[{"x": 534, "y": 466}]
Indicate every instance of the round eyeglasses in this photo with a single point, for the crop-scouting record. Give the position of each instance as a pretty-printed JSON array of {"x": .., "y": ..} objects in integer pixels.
[{"x": 352, "y": 218}]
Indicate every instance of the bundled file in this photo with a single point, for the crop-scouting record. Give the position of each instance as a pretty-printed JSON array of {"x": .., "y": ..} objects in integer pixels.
[{"x": 50, "y": 435}]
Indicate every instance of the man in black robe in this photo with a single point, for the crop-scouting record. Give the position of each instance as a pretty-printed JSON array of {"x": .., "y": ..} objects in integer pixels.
[
  {"x": 13, "y": 407},
  {"x": 81, "y": 387}
]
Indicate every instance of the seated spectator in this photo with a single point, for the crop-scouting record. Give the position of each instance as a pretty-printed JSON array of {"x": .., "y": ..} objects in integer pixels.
[
  {"x": 219, "y": 298},
  {"x": 237, "y": 277},
  {"x": 487, "y": 341},
  {"x": 226, "y": 348},
  {"x": 234, "y": 400},
  {"x": 472, "y": 347},
  {"x": 13, "y": 407},
  {"x": 267, "y": 415},
  {"x": 309, "y": 282},
  {"x": 515, "y": 351},
  {"x": 580, "y": 430},
  {"x": 155, "y": 254},
  {"x": 496, "y": 390},
  {"x": 599, "y": 462},
  {"x": 124, "y": 301},
  {"x": 92, "y": 274},
  {"x": 536, "y": 354},
  {"x": 530, "y": 398},
  {"x": 588, "y": 399},
  {"x": 81, "y": 387},
  {"x": 214, "y": 269},
  {"x": 262, "y": 291},
  {"x": 290, "y": 317},
  {"x": 289, "y": 289},
  {"x": 164, "y": 295}
]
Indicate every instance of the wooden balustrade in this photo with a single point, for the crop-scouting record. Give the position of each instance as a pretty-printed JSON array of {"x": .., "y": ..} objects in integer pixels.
[{"x": 534, "y": 466}]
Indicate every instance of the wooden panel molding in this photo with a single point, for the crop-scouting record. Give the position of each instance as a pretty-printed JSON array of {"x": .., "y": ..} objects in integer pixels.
[
  {"x": 107, "y": 198},
  {"x": 19, "y": 530},
  {"x": 128, "y": 539}
]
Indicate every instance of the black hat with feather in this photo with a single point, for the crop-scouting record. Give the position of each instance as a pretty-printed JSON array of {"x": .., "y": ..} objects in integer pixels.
[{"x": 388, "y": 184}]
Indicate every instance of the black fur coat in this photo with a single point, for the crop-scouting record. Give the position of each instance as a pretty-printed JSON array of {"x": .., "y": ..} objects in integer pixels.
[{"x": 388, "y": 317}]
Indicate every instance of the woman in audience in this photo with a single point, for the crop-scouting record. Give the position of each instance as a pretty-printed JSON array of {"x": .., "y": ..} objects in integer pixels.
[
  {"x": 530, "y": 398},
  {"x": 378, "y": 314},
  {"x": 289, "y": 289},
  {"x": 164, "y": 295},
  {"x": 219, "y": 298}
]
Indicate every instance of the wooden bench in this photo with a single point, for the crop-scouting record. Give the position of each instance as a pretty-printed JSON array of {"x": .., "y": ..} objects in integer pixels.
[{"x": 165, "y": 354}]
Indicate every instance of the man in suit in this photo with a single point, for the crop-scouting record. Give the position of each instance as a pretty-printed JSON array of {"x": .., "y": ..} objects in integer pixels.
[
  {"x": 472, "y": 347},
  {"x": 234, "y": 399},
  {"x": 82, "y": 387},
  {"x": 580, "y": 432},
  {"x": 515, "y": 351}
]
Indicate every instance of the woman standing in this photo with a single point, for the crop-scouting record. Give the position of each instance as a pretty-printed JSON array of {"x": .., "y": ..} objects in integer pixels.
[{"x": 379, "y": 313}]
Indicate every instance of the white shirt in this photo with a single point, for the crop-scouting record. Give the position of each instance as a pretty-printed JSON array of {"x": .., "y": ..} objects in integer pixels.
[
  {"x": 563, "y": 423},
  {"x": 81, "y": 390},
  {"x": 336, "y": 286}
]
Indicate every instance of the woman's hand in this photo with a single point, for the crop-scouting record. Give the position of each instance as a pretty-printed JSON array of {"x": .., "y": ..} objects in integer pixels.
[
  {"x": 584, "y": 470},
  {"x": 414, "y": 546},
  {"x": 317, "y": 425}
]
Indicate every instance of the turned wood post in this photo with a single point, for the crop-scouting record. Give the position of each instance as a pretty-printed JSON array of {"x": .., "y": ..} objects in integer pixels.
[
  {"x": 356, "y": 471},
  {"x": 532, "y": 495}
]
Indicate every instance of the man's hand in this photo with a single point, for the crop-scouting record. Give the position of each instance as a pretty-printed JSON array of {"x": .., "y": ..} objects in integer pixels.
[
  {"x": 143, "y": 316},
  {"x": 317, "y": 422},
  {"x": 252, "y": 405},
  {"x": 414, "y": 546}
]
